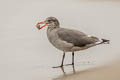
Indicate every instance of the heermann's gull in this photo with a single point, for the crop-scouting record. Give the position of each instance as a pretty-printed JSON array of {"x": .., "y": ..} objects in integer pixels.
[{"x": 68, "y": 40}]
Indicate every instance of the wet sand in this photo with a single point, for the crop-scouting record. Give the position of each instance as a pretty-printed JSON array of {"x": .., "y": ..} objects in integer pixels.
[
  {"x": 26, "y": 54},
  {"x": 106, "y": 72}
]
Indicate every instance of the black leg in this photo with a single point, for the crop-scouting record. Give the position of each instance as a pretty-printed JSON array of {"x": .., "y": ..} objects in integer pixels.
[
  {"x": 72, "y": 58},
  {"x": 63, "y": 59}
]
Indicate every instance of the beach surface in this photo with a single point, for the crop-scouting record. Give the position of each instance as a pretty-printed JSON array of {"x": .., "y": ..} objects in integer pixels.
[
  {"x": 106, "y": 72},
  {"x": 26, "y": 54}
]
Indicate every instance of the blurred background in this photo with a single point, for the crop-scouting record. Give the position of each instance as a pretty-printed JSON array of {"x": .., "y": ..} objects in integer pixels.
[{"x": 25, "y": 52}]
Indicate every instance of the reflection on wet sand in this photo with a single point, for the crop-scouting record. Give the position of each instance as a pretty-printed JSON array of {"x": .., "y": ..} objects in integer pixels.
[
  {"x": 72, "y": 70},
  {"x": 107, "y": 72},
  {"x": 68, "y": 75},
  {"x": 63, "y": 70}
]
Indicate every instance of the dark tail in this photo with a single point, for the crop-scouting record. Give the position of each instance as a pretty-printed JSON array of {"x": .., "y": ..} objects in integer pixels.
[{"x": 105, "y": 41}]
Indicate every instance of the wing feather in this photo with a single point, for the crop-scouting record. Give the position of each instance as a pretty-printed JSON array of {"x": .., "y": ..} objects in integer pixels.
[{"x": 75, "y": 37}]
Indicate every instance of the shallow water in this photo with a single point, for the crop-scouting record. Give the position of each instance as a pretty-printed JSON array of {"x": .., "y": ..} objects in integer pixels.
[{"x": 26, "y": 54}]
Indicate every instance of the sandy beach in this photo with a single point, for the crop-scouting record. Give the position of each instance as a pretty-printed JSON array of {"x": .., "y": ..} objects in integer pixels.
[
  {"x": 26, "y": 54},
  {"x": 106, "y": 72}
]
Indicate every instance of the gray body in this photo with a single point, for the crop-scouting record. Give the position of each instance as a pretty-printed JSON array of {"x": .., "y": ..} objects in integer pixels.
[{"x": 69, "y": 40}]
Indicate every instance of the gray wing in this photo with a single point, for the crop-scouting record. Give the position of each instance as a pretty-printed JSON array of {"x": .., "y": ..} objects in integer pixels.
[{"x": 75, "y": 37}]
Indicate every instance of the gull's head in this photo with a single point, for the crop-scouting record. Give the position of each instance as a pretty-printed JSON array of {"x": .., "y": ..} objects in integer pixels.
[{"x": 51, "y": 22}]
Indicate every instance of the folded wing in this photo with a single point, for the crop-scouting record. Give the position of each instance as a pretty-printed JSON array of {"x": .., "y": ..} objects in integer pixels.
[{"x": 75, "y": 37}]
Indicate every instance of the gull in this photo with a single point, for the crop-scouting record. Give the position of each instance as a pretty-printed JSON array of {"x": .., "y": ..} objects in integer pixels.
[{"x": 68, "y": 40}]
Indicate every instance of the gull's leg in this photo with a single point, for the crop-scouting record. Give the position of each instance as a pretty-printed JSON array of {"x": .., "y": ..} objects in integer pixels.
[
  {"x": 62, "y": 61},
  {"x": 72, "y": 58}
]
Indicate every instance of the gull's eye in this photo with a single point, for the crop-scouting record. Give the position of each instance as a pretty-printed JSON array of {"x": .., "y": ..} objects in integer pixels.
[{"x": 49, "y": 20}]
